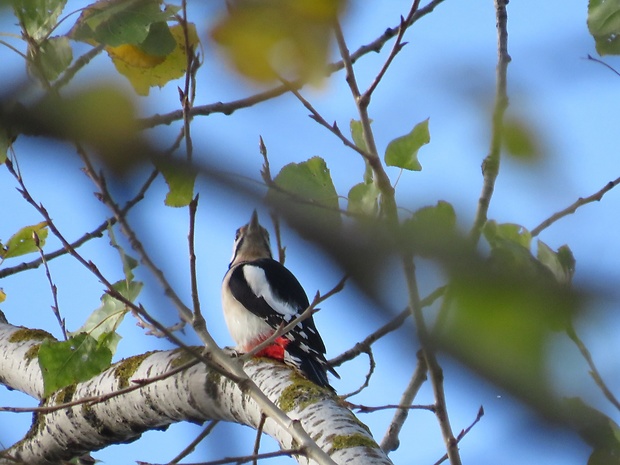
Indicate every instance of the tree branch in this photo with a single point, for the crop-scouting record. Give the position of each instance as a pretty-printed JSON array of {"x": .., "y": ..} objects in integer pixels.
[{"x": 195, "y": 394}]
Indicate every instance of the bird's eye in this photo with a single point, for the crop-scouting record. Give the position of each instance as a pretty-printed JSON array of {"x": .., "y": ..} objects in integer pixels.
[{"x": 238, "y": 234}]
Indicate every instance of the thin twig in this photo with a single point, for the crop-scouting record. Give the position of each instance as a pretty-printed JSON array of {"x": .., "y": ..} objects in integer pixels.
[
  {"x": 396, "y": 48},
  {"x": 192, "y": 445},
  {"x": 259, "y": 432},
  {"x": 55, "y": 307},
  {"x": 371, "y": 369},
  {"x": 333, "y": 128},
  {"x": 381, "y": 178},
  {"x": 391, "y": 441},
  {"x": 246, "y": 458},
  {"x": 392, "y": 325},
  {"x": 406, "y": 407},
  {"x": 76, "y": 66},
  {"x": 597, "y": 196},
  {"x": 136, "y": 245},
  {"x": 266, "y": 175},
  {"x": 307, "y": 313},
  {"x": 463, "y": 433},
  {"x": 193, "y": 205},
  {"x": 601, "y": 62},
  {"x": 596, "y": 375},
  {"x": 490, "y": 165},
  {"x": 95, "y": 233},
  {"x": 435, "y": 371}
]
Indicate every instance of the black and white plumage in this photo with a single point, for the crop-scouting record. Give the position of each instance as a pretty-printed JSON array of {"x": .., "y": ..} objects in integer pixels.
[{"x": 259, "y": 295}]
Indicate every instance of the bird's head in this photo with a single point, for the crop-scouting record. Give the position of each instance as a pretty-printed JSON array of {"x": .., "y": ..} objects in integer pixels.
[{"x": 251, "y": 242}]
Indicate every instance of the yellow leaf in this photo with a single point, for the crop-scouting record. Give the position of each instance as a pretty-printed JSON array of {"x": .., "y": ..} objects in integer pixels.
[
  {"x": 2, "y": 295},
  {"x": 145, "y": 71},
  {"x": 133, "y": 56},
  {"x": 272, "y": 38}
]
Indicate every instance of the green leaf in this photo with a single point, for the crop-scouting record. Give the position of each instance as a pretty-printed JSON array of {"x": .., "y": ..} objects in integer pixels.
[
  {"x": 496, "y": 234},
  {"x": 597, "y": 429},
  {"x": 430, "y": 228},
  {"x": 363, "y": 199},
  {"x": 159, "y": 41},
  {"x": 307, "y": 184},
  {"x": 357, "y": 134},
  {"x": 124, "y": 22},
  {"x": 403, "y": 151},
  {"x": 560, "y": 263},
  {"x": 129, "y": 263},
  {"x": 51, "y": 58},
  {"x": 604, "y": 25},
  {"x": 510, "y": 247},
  {"x": 38, "y": 17},
  {"x": 23, "y": 242},
  {"x": 78, "y": 359},
  {"x": 180, "y": 184},
  {"x": 105, "y": 320},
  {"x": 5, "y": 142},
  {"x": 102, "y": 116},
  {"x": 519, "y": 140},
  {"x": 502, "y": 322}
]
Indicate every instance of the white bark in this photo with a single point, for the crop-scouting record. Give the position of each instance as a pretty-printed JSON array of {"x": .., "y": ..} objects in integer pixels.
[{"x": 196, "y": 394}]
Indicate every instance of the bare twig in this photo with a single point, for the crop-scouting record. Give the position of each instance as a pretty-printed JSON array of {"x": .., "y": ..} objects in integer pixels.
[
  {"x": 394, "y": 324},
  {"x": 247, "y": 458},
  {"x": 597, "y": 196},
  {"x": 490, "y": 165},
  {"x": 396, "y": 48},
  {"x": 601, "y": 62},
  {"x": 193, "y": 205},
  {"x": 333, "y": 128},
  {"x": 136, "y": 245},
  {"x": 596, "y": 375},
  {"x": 371, "y": 369},
  {"x": 369, "y": 409},
  {"x": 390, "y": 441},
  {"x": 97, "y": 232},
  {"x": 435, "y": 371},
  {"x": 55, "y": 307},
  {"x": 259, "y": 432},
  {"x": 76, "y": 66},
  {"x": 307, "y": 313},
  {"x": 266, "y": 175},
  {"x": 463, "y": 433},
  {"x": 192, "y": 445}
]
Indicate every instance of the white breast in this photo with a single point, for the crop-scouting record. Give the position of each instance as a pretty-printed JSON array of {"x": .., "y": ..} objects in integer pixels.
[{"x": 245, "y": 328}]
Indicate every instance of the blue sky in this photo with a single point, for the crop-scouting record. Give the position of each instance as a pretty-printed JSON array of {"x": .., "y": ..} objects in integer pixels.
[{"x": 445, "y": 73}]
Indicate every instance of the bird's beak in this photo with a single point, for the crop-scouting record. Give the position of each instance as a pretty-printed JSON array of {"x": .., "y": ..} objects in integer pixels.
[{"x": 254, "y": 225}]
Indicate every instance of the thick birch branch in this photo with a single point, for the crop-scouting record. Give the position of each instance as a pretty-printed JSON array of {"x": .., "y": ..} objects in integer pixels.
[{"x": 195, "y": 394}]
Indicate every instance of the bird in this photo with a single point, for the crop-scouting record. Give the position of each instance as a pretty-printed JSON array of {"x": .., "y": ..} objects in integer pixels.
[{"x": 260, "y": 296}]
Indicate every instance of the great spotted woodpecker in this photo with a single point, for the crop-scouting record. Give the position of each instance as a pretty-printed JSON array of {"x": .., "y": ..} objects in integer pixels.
[{"x": 259, "y": 295}]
